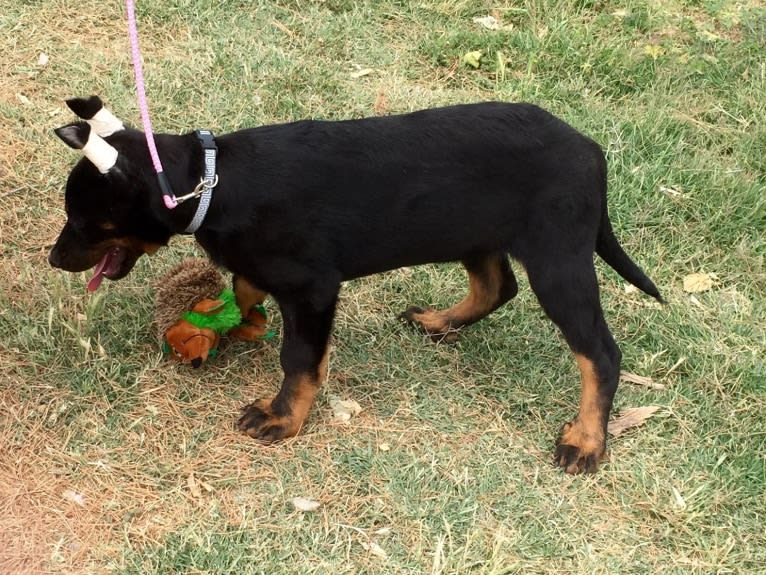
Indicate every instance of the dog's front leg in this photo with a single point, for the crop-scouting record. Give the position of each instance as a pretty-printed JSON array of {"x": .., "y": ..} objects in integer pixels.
[{"x": 307, "y": 324}]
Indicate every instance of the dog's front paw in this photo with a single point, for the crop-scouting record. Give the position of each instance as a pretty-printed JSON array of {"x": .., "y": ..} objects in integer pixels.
[
  {"x": 578, "y": 451},
  {"x": 431, "y": 321},
  {"x": 259, "y": 421}
]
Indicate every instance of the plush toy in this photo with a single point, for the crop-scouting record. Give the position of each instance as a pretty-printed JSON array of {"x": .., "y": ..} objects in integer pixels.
[{"x": 194, "y": 308}]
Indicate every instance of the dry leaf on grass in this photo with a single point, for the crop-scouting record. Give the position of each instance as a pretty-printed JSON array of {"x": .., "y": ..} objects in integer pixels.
[
  {"x": 304, "y": 504},
  {"x": 75, "y": 497},
  {"x": 381, "y": 104},
  {"x": 488, "y": 22},
  {"x": 671, "y": 191},
  {"x": 375, "y": 549},
  {"x": 473, "y": 59},
  {"x": 361, "y": 72},
  {"x": 193, "y": 487},
  {"x": 698, "y": 282},
  {"x": 654, "y": 51},
  {"x": 640, "y": 380},
  {"x": 631, "y": 417},
  {"x": 344, "y": 409}
]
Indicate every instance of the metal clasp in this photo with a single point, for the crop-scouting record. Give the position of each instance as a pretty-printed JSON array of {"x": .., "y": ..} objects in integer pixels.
[{"x": 201, "y": 188}]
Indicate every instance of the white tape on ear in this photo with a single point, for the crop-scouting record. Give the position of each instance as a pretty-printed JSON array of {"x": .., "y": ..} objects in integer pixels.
[
  {"x": 104, "y": 123},
  {"x": 100, "y": 152}
]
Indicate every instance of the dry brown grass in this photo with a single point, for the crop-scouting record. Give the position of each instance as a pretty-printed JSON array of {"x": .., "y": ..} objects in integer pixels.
[{"x": 137, "y": 488}]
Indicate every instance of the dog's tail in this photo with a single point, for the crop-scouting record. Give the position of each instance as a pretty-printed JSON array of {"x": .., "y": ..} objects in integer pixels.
[{"x": 610, "y": 250}]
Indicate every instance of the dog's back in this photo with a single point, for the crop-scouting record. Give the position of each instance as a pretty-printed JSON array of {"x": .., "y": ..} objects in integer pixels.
[{"x": 480, "y": 173}]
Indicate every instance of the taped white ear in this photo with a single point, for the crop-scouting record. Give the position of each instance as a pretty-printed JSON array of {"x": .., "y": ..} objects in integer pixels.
[
  {"x": 100, "y": 152},
  {"x": 104, "y": 123}
]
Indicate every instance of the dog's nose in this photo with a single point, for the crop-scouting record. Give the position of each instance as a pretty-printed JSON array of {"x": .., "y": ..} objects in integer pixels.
[{"x": 196, "y": 362}]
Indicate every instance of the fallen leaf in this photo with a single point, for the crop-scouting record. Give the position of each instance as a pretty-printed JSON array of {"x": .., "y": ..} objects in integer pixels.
[
  {"x": 375, "y": 549},
  {"x": 361, "y": 72},
  {"x": 488, "y": 22},
  {"x": 707, "y": 36},
  {"x": 191, "y": 483},
  {"x": 654, "y": 51},
  {"x": 631, "y": 417},
  {"x": 304, "y": 504},
  {"x": 473, "y": 59},
  {"x": 344, "y": 409},
  {"x": 75, "y": 497},
  {"x": 698, "y": 282},
  {"x": 381, "y": 104},
  {"x": 640, "y": 380},
  {"x": 671, "y": 191}
]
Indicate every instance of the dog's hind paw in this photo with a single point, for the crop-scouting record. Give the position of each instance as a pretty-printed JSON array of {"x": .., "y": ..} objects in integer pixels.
[
  {"x": 431, "y": 322},
  {"x": 260, "y": 422}
]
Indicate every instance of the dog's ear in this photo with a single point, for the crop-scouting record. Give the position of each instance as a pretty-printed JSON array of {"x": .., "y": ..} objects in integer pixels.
[
  {"x": 74, "y": 135},
  {"x": 80, "y": 136},
  {"x": 93, "y": 111}
]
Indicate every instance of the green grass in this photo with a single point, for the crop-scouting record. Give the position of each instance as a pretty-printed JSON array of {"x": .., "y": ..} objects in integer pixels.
[{"x": 447, "y": 469}]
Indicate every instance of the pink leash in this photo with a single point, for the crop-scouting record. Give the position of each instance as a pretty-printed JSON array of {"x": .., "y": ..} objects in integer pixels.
[{"x": 167, "y": 193}]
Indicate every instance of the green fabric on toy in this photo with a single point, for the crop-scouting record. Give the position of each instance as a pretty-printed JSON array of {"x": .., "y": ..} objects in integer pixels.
[{"x": 223, "y": 318}]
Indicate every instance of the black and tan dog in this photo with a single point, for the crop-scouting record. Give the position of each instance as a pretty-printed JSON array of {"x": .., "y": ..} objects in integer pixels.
[{"x": 302, "y": 207}]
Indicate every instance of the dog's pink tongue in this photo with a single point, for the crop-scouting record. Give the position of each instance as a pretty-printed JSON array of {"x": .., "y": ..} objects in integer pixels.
[{"x": 98, "y": 272}]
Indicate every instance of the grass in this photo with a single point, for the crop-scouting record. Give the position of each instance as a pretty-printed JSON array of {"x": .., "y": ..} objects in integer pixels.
[{"x": 447, "y": 469}]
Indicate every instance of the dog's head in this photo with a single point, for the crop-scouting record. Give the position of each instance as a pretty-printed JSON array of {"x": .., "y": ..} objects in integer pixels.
[{"x": 110, "y": 199}]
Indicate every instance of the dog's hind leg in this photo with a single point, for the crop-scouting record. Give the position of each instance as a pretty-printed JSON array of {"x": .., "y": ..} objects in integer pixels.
[
  {"x": 568, "y": 292},
  {"x": 307, "y": 321},
  {"x": 491, "y": 284}
]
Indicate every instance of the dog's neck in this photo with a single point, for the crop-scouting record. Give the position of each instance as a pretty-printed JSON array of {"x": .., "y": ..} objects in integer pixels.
[{"x": 183, "y": 163}]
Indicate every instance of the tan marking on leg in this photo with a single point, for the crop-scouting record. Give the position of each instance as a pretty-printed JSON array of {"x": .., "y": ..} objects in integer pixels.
[
  {"x": 303, "y": 389},
  {"x": 483, "y": 296},
  {"x": 586, "y": 431},
  {"x": 247, "y": 295}
]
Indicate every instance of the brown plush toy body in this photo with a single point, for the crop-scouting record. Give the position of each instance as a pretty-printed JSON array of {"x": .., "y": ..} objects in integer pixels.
[{"x": 193, "y": 308}]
